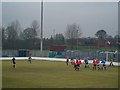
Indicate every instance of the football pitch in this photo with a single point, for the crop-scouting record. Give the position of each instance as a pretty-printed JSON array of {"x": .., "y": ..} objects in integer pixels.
[{"x": 56, "y": 74}]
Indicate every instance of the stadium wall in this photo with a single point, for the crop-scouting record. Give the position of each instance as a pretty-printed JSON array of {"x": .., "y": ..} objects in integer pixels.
[
  {"x": 51, "y": 59},
  {"x": 73, "y": 53}
]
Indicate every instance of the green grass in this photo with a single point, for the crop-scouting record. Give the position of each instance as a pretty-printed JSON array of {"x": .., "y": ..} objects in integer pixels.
[{"x": 51, "y": 74}]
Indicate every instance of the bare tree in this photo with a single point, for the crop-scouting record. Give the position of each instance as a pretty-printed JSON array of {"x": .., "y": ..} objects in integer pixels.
[
  {"x": 73, "y": 33},
  {"x": 11, "y": 33},
  {"x": 16, "y": 26},
  {"x": 35, "y": 27},
  {"x": 3, "y": 33}
]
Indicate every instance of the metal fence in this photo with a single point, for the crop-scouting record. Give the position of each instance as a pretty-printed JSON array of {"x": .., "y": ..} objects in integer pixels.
[{"x": 35, "y": 53}]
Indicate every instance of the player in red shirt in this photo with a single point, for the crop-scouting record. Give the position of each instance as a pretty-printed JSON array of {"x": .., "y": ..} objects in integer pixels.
[
  {"x": 75, "y": 64},
  {"x": 78, "y": 63},
  {"x": 94, "y": 63}
]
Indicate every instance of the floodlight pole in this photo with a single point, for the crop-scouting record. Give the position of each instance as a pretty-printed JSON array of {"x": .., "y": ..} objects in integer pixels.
[{"x": 41, "y": 44}]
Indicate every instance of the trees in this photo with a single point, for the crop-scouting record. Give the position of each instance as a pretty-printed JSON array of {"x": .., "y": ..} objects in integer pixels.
[
  {"x": 14, "y": 38},
  {"x": 28, "y": 34},
  {"x": 35, "y": 27},
  {"x": 117, "y": 39},
  {"x": 27, "y": 37},
  {"x": 72, "y": 34},
  {"x": 3, "y": 34},
  {"x": 101, "y": 34},
  {"x": 73, "y": 31},
  {"x": 103, "y": 39},
  {"x": 59, "y": 39},
  {"x": 11, "y": 33},
  {"x": 17, "y": 27},
  {"x": 13, "y": 30}
]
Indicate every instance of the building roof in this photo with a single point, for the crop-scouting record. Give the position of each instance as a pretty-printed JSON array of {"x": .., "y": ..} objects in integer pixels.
[{"x": 57, "y": 48}]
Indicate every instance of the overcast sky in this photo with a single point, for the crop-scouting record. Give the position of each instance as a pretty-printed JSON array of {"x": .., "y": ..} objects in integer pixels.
[{"x": 91, "y": 16}]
